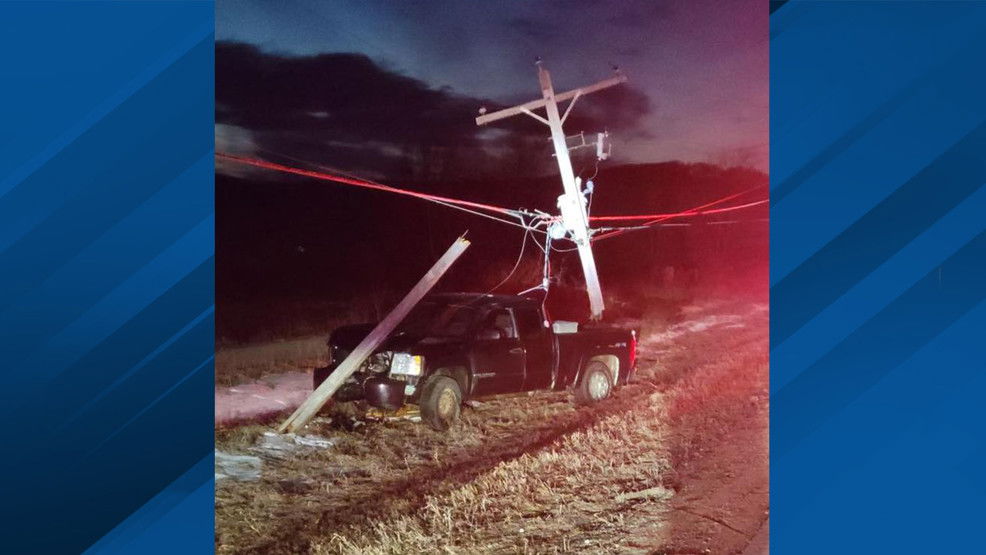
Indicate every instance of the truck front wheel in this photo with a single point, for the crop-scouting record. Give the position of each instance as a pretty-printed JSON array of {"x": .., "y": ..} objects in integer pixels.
[
  {"x": 595, "y": 384},
  {"x": 441, "y": 399}
]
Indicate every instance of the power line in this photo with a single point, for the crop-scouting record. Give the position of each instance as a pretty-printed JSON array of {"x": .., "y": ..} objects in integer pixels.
[
  {"x": 370, "y": 181},
  {"x": 540, "y": 219},
  {"x": 679, "y": 224},
  {"x": 692, "y": 212},
  {"x": 362, "y": 183},
  {"x": 680, "y": 214},
  {"x": 501, "y": 220},
  {"x": 520, "y": 256}
]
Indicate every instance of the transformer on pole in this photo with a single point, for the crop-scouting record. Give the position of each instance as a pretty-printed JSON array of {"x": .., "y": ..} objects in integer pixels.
[{"x": 572, "y": 203}]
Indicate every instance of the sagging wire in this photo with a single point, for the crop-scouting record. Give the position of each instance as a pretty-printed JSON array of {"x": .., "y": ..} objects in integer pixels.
[
  {"x": 546, "y": 276},
  {"x": 543, "y": 219},
  {"x": 456, "y": 204},
  {"x": 678, "y": 224},
  {"x": 595, "y": 172},
  {"x": 691, "y": 212},
  {"x": 501, "y": 220},
  {"x": 570, "y": 249},
  {"x": 361, "y": 183},
  {"x": 539, "y": 218},
  {"x": 447, "y": 204},
  {"x": 520, "y": 256}
]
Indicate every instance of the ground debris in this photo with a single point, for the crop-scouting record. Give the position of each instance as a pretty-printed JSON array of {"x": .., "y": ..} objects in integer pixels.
[
  {"x": 407, "y": 412},
  {"x": 279, "y": 446},
  {"x": 241, "y": 468},
  {"x": 658, "y": 492}
]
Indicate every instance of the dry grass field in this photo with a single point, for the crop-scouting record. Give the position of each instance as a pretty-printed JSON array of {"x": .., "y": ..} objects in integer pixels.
[
  {"x": 251, "y": 362},
  {"x": 675, "y": 462}
]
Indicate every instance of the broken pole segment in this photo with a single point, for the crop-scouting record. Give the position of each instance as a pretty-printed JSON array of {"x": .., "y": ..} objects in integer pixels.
[{"x": 351, "y": 363}]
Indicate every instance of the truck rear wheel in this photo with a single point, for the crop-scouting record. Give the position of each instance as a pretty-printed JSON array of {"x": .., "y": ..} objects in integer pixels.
[
  {"x": 440, "y": 402},
  {"x": 595, "y": 384}
]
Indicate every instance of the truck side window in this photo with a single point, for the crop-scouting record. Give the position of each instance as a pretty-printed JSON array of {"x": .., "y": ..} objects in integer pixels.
[
  {"x": 528, "y": 322},
  {"x": 501, "y": 320}
]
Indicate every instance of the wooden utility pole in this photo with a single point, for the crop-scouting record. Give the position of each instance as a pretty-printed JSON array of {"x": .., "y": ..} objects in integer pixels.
[
  {"x": 572, "y": 203},
  {"x": 350, "y": 364}
]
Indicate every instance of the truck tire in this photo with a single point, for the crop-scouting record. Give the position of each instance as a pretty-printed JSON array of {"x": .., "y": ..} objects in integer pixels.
[
  {"x": 440, "y": 402},
  {"x": 595, "y": 384}
]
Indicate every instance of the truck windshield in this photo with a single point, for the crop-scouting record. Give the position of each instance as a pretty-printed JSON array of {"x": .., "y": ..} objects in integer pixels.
[{"x": 439, "y": 320}]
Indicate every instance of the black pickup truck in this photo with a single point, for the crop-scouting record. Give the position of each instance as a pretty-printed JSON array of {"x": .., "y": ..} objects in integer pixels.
[{"x": 457, "y": 346}]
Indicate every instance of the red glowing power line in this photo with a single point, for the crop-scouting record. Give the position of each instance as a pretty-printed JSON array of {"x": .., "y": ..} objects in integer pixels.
[
  {"x": 692, "y": 212},
  {"x": 696, "y": 211},
  {"x": 651, "y": 219},
  {"x": 359, "y": 183}
]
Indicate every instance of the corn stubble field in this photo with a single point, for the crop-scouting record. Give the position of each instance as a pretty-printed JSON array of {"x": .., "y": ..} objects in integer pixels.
[{"x": 676, "y": 462}]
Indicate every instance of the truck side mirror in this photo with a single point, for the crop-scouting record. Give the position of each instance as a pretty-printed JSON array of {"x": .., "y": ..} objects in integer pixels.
[{"x": 489, "y": 334}]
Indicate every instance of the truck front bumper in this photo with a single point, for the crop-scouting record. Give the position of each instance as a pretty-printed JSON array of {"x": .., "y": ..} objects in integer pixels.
[{"x": 378, "y": 391}]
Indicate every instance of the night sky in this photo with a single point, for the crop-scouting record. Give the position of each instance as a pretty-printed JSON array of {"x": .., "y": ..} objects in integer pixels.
[
  {"x": 702, "y": 65},
  {"x": 390, "y": 91}
]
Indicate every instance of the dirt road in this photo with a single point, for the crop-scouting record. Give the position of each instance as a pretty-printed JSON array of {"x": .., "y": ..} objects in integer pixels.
[
  {"x": 675, "y": 463},
  {"x": 261, "y": 399}
]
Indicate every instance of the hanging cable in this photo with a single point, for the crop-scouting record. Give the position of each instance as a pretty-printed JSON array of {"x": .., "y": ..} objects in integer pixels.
[
  {"x": 369, "y": 181},
  {"x": 680, "y": 214},
  {"x": 692, "y": 212},
  {"x": 501, "y": 220},
  {"x": 520, "y": 256},
  {"x": 540, "y": 218},
  {"x": 361, "y": 183}
]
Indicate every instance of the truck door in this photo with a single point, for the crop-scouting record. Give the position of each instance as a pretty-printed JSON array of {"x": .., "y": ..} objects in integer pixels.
[
  {"x": 539, "y": 347},
  {"x": 498, "y": 358}
]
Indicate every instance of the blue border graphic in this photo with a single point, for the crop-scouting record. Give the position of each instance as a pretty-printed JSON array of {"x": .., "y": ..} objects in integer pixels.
[
  {"x": 878, "y": 276},
  {"x": 106, "y": 288}
]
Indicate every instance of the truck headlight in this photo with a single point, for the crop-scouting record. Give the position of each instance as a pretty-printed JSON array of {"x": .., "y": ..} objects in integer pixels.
[{"x": 406, "y": 364}]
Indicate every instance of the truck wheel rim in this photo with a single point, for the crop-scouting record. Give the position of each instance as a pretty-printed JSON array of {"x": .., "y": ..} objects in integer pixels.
[
  {"x": 598, "y": 385},
  {"x": 446, "y": 403}
]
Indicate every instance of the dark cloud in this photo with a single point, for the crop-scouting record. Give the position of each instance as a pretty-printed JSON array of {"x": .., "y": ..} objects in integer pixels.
[
  {"x": 534, "y": 29},
  {"x": 344, "y": 108},
  {"x": 347, "y": 95}
]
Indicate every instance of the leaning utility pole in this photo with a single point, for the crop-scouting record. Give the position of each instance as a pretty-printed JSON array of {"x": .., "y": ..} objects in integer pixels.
[{"x": 572, "y": 203}]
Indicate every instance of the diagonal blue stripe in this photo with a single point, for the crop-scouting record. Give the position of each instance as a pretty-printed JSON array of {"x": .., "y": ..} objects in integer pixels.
[
  {"x": 158, "y": 526},
  {"x": 104, "y": 108},
  {"x": 880, "y": 345},
  {"x": 111, "y": 101},
  {"x": 914, "y": 101},
  {"x": 878, "y": 52},
  {"x": 776, "y": 5},
  {"x": 107, "y": 262},
  {"x": 103, "y": 190},
  {"x": 881, "y": 432},
  {"x": 112, "y": 312},
  {"x": 166, "y": 400},
  {"x": 878, "y": 163},
  {"x": 920, "y": 420},
  {"x": 877, "y": 290},
  {"x": 126, "y": 374},
  {"x": 877, "y": 236},
  {"x": 100, "y": 423},
  {"x": 122, "y": 349},
  {"x": 150, "y": 406}
]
